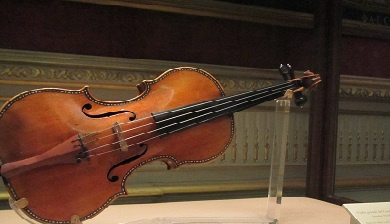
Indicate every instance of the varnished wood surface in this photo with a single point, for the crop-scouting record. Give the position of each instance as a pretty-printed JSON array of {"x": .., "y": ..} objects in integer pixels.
[{"x": 40, "y": 121}]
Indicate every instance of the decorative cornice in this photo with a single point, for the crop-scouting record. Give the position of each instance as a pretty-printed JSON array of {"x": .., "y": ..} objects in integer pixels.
[
  {"x": 369, "y": 5},
  {"x": 361, "y": 29},
  {"x": 353, "y": 92},
  {"x": 64, "y": 70},
  {"x": 42, "y": 72},
  {"x": 242, "y": 85},
  {"x": 354, "y": 87},
  {"x": 101, "y": 78},
  {"x": 31, "y": 68}
]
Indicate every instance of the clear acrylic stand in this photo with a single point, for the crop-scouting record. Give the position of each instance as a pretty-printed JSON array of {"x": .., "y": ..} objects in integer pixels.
[
  {"x": 17, "y": 206},
  {"x": 275, "y": 190},
  {"x": 272, "y": 216}
]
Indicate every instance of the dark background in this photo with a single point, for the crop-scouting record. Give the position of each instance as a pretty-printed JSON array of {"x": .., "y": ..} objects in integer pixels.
[{"x": 114, "y": 31}]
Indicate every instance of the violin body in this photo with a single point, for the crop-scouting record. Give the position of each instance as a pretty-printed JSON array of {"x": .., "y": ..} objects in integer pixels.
[
  {"x": 65, "y": 156},
  {"x": 63, "y": 151}
]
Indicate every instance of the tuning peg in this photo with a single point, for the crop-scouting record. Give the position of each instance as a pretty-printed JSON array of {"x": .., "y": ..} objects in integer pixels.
[
  {"x": 300, "y": 99},
  {"x": 284, "y": 71},
  {"x": 290, "y": 72}
]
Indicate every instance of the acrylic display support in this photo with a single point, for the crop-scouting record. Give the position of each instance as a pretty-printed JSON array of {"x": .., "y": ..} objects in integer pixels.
[
  {"x": 275, "y": 188},
  {"x": 272, "y": 216},
  {"x": 17, "y": 206}
]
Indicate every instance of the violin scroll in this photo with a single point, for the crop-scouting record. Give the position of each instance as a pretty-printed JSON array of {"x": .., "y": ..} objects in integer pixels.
[{"x": 310, "y": 80}]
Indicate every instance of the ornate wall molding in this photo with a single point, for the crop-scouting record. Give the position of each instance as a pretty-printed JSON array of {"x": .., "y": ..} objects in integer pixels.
[
  {"x": 110, "y": 77},
  {"x": 369, "y": 5},
  {"x": 32, "y": 68},
  {"x": 356, "y": 92},
  {"x": 46, "y": 73},
  {"x": 365, "y": 88},
  {"x": 24, "y": 67}
]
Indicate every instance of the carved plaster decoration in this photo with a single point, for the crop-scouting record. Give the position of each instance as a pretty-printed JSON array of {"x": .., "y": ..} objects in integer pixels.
[
  {"x": 371, "y": 5},
  {"x": 358, "y": 147},
  {"x": 233, "y": 148},
  {"x": 340, "y": 145},
  {"x": 24, "y": 66},
  {"x": 85, "y": 75},
  {"x": 305, "y": 148},
  {"x": 245, "y": 146},
  {"x": 367, "y": 146},
  {"x": 266, "y": 146},
  {"x": 44, "y": 73},
  {"x": 349, "y": 150},
  {"x": 361, "y": 92},
  {"x": 256, "y": 146},
  {"x": 131, "y": 78},
  {"x": 241, "y": 85},
  {"x": 295, "y": 147},
  {"x": 383, "y": 146}
]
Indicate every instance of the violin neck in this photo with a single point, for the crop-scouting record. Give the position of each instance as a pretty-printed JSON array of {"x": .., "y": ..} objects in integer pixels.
[{"x": 190, "y": 115}]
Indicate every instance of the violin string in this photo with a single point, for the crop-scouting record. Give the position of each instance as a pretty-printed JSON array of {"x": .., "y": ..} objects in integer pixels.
[
  {"x": 157, "y": 136},
  {"x": 105, "y": 129},
  {"x": 108, "y": 144},
  {"x": 134, "y": 144},
  {"x": 160, "y": 135},
  {"x": 146, "y": 140},
  {"x": 222, "y": 98},
  {"x": 127, "y": 130},
  {"x": 113, "y": 133},
  {"x": 121, "y": 123},
  {"x": 112, "y": 143},
  {"x": 133, "y": 136}
]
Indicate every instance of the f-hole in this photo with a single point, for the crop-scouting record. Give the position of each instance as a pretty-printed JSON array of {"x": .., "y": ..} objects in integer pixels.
[
  {"x": 126, "y": 161},
  {"x": 88, "y": 106}
]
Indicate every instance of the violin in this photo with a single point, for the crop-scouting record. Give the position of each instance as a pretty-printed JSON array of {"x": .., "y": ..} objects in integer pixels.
[{"x": 66, "y": 155}]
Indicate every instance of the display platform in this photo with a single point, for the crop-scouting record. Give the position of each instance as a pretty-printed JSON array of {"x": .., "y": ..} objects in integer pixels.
[{"x": 295, "y": 210}]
